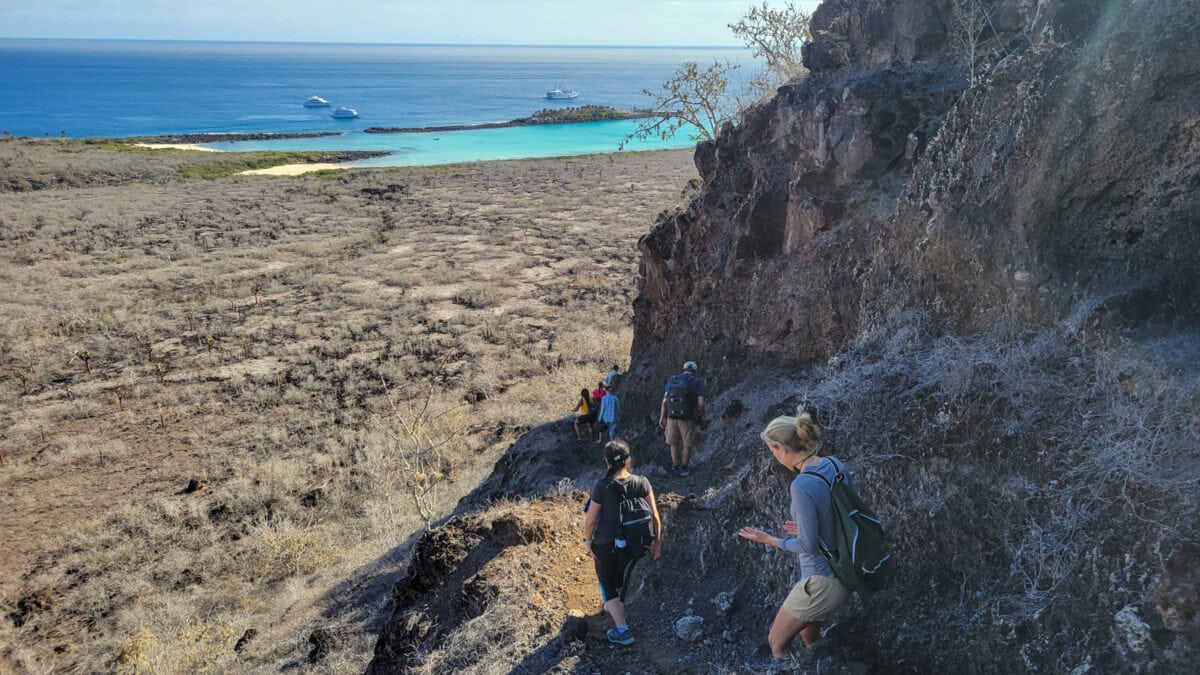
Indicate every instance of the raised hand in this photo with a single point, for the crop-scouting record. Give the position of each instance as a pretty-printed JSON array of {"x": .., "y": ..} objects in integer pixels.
[{"x": 755, "y": 535}]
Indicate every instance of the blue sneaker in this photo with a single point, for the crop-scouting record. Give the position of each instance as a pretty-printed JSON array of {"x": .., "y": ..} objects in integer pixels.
[{"x": 618, "y": 638}]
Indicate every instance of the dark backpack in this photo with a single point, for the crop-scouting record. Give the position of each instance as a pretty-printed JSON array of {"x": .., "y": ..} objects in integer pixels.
[
  {"x": 635, "y": 517},
  {"x": 862, "y": 559},
  {"x": 681, "y": 403}
]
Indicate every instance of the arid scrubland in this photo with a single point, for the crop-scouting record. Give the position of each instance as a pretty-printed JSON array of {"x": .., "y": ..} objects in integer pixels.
[{"x": 227, "y": 405}]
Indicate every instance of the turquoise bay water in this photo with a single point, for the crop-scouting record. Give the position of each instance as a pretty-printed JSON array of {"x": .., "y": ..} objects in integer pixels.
[
  {"x": 451, "y": 147},
  {"x": 118, "y": 88}
]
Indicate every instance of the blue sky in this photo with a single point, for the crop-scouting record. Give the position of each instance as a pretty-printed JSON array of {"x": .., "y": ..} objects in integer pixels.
[{"x": 576, "y": 22}]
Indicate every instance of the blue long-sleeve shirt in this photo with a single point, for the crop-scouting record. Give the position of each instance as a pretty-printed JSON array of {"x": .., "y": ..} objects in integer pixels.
[
  {"x": 610, "y": 407},
  {"x": 812, "y": 509}
]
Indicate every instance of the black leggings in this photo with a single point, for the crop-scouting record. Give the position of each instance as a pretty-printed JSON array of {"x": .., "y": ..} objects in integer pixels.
[{"x": 613, "y": 568}]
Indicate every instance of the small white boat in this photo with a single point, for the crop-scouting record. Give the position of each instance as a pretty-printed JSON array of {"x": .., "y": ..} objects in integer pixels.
[
  {"x": 345, "y": 113},
  {"x": 316, "y": 102},
  {"x": 557, "y": 93}
]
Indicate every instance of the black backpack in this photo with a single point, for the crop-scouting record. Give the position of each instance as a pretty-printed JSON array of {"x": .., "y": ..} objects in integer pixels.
[
  {"x": 635, "y": 517},
  {"x": 681, "y": 403}
]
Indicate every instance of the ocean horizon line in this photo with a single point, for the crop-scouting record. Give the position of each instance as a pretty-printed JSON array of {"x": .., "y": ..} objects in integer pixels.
[{"x": 368, "y": 44}]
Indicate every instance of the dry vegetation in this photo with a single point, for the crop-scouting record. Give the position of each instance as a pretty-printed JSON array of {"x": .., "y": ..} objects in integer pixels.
[{"x": 227, "y": 405}]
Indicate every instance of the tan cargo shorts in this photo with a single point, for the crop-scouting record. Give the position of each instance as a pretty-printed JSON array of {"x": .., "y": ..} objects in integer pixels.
[
  {"x": 681, "y": 431},
  {"x": 815, "y": 598}
]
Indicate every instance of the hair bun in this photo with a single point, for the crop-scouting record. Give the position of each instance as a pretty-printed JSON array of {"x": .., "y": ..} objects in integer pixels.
[{"x": 807, "y": 428}]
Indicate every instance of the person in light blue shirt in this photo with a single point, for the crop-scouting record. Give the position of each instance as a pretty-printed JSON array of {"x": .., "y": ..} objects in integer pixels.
[
  {"x": 610, "y": 380},
  {"x": 610, "y": 411},
  {"x": 795, "y": 442}
]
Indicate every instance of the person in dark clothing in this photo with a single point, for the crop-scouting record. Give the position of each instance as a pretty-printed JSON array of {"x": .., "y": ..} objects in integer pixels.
[
  {"x": 610, "y": 379},
  {"x": 682, "y": 410},
  {"x": 603, "y": 534}
]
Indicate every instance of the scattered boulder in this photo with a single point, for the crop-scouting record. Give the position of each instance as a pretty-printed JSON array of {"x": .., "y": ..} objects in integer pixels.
[
  {"x": 1133, "y": 634},
  {"x": 690, "y": 628},
  {"x": 27, "y": 606},
  {"x": 312, "y": 498},
  {"x": 195, "y": 485},
  {"x": 324, "y": 641},
  {"x": 245, "y": 639},
  {"x": 724, "y": 601}
]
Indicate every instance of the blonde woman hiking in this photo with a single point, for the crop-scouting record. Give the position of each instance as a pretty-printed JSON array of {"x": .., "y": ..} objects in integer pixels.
[{"x": 795, "y": 443}]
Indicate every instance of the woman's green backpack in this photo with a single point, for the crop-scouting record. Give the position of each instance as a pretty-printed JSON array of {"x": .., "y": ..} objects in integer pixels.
[{"x": 861, "y": 559}]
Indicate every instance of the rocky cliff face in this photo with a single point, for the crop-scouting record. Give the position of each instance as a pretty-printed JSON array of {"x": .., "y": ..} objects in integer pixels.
[
  {"x": 1062, "y": 177},
  {"x": 987, "y": 293}
]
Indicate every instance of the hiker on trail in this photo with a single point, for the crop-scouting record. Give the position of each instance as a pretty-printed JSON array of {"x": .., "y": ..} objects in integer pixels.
[
  {"x": 681, "y": 411},
  {"x": 611, "y": 378},
  {"x": 795, "y": 443},
  {"x": 587, "y": 414},
  {"x": 610, "y": 411},
  {"x": 598, "y": 394},
  {"x": 621, "y": 526}
]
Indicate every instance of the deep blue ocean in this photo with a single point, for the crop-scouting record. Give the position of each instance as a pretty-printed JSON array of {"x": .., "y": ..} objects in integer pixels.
[{"x": 118, "y": 88}]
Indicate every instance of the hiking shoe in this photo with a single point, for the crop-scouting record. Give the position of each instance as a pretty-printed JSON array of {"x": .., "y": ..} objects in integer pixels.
[
  {"x": 618, "y": 638},
  {"x": 683, "y": 472}
]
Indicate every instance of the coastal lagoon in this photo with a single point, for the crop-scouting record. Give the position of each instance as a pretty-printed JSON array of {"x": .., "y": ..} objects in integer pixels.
[
  {"x": 119, "y": 88},
  {"x": 450, "y": 147}
]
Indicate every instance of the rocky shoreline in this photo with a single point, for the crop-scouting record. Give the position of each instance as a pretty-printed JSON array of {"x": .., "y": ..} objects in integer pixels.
[
  {"x": 222, "y": 137},
  {"x": 591, "y": 113}
]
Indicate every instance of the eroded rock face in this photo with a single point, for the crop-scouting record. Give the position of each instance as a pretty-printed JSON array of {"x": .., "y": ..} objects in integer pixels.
[
  {"x": 1067, "y": 177},
  {"x": 1064, "y": 189}
]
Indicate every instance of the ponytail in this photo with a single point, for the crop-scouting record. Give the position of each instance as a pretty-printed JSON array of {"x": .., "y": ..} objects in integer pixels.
[{"x": 616, "y": 453}]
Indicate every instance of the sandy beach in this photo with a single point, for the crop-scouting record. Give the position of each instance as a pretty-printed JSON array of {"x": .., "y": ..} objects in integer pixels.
[
  {"x": 176, "y": 146},
  {"x": 292, "y": 169}
]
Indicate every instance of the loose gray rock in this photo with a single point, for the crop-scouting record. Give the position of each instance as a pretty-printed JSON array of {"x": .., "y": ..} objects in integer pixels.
[
  {"x": 724, "y": 601},
  {"x": 1133, "y": 633},
  {"x": 690, "y": 628}
]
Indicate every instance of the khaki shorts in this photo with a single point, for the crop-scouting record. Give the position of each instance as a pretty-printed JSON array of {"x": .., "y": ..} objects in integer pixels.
[
  {"x": 681, "y": 430},
  {"x": 816, "y": 597}
]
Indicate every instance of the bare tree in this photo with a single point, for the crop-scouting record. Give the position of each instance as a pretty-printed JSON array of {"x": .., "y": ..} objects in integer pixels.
[
  {"x": 774, "y": 35},
  {"x": 969, "y": 19},
  {"x": 418, "y": 435},
  {"x": 697, "y": 100},
  {"x": 693, "y": 100}
]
